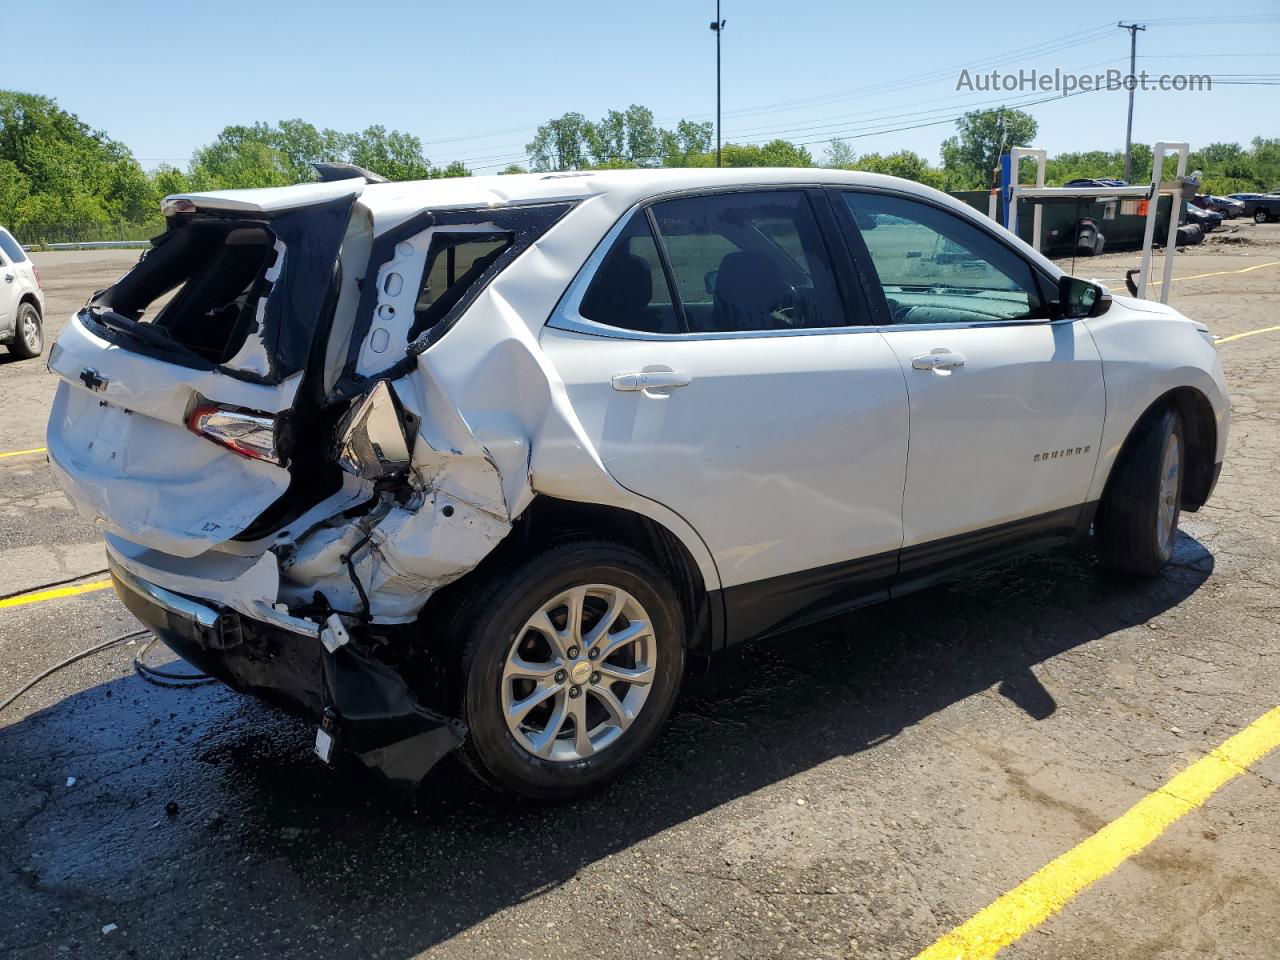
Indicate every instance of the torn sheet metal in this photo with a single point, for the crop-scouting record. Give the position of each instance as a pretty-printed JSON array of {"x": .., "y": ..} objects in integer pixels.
[
  {"x": 365, "y": 705},
  {"x": 399, "y": 554}
]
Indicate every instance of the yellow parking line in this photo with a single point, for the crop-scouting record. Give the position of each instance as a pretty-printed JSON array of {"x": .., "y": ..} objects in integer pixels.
[
  {"x": 1247, "y": 333},
  {"x": 22, "y": 453},
  {"x": 1219, "y": 273},
  {"x": 42, "y": 595},
  {"x": 1055, "y": 885}
]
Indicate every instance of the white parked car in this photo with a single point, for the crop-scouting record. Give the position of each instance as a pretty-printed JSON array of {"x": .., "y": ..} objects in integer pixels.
[
  {"x": 21, "y": 300},
  {"x": 480, "y": 462}
]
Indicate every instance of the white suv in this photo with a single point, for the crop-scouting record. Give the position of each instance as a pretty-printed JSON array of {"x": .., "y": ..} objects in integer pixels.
[
  {"x": 479, "y": 462},
  {"x": 21, "y": 300}
]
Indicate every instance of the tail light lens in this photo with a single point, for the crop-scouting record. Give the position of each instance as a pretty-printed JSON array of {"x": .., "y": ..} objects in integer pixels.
[
  {"x": 36, "y": 272},
  {"x": 245, "y": 432}
]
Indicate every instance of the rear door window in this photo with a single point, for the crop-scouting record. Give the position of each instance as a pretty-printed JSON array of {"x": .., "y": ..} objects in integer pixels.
[
  {"x": 753, "y": 260},
  {"x": 629, "y": 289}
]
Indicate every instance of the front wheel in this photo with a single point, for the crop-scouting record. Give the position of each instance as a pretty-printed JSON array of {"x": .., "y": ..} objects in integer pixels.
[
  {"x": 1261, "y": 216},
  {"x": 571, "y": 662},
  {"x": 28, "y": 334},
  {"x": 1137, "y": 521}
]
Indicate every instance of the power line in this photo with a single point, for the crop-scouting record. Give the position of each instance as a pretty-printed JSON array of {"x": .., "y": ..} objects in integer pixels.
[{"x": 1067, "y": 41}]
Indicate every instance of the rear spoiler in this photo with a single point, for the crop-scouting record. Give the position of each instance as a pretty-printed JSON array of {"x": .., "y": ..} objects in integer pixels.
[
  {"x": 263, "y": 200},
  {"x": 326, "y": 172}
]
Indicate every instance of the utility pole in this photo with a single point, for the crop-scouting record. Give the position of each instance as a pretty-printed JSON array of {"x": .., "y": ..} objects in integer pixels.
[
  {"x": 717, "y": 27},
  {"x": 1133, "y": 29}
]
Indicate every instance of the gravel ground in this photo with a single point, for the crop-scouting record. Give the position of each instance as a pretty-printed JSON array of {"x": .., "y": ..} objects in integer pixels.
[{"x": 856, "y": 791}]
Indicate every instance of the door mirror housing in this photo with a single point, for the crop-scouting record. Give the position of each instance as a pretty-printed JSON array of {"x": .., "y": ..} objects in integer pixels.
[{"x": 1079, "y": 298}]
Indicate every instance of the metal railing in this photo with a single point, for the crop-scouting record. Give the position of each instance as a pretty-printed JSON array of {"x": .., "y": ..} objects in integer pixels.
[{"x": 65, "y": 236}]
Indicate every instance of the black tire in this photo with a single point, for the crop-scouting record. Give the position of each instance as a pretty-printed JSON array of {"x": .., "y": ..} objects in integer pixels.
[
  {"x": 487, "y": 625},
  {"x": 1128, "y": 530},
  {"x": 1261, "y": 216},
  {"x": 21, "y": 345}
]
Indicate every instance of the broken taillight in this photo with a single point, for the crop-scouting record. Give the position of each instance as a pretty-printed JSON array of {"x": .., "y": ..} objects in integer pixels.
[{"x": 245, "y": 432}]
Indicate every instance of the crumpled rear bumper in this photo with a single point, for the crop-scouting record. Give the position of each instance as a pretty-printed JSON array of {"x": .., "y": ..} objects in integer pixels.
[{"x": 365, "y": 704}]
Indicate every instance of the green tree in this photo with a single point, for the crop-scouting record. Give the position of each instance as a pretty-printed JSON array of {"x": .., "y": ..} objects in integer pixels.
[
  {"x": 455, "y": 169},
  {"x": 394, "y": 154},
  {"x": 904, "y": 163},
  {"x": 686, "y": 141},
  {"x": 15, "y": 188},
  {"x": 560, "y": 144},
  {"x": 55, "y": 168},
  {"x": 513, "y": 168},
  {"x": 241, "y": 157},
  {"x": 973, "y": 155},
  {"x": 621, "y": 139},
  {"x": 263, "y": 155},
  {"x": 840, "y": 156},
  {"x": 625, "y": 138}
]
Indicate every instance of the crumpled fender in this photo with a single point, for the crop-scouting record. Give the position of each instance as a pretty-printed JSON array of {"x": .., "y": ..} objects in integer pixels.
[{"x": 496, "y": 429}]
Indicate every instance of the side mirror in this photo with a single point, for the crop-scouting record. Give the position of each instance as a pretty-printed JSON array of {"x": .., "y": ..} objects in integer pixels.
[{"x": 1079, "y": 298}]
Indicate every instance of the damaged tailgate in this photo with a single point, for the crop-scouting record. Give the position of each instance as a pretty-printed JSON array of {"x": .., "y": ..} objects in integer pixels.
[{"x": 175, "y": 422}]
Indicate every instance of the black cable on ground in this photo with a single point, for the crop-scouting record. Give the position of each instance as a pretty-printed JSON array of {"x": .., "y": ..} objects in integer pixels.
[
  {"x": 49, "y": 586},
  {"x": 123, "y": 638},
  {"x": 164, "y": 678}
]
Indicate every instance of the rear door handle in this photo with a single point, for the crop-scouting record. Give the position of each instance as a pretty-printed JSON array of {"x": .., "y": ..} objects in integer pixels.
[
  {"x": 938, "y": 360},
  {"x": 650, "y": 380}
]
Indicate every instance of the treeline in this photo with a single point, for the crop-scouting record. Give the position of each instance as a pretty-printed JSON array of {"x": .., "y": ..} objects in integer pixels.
[{"x": 61, "y": 179}]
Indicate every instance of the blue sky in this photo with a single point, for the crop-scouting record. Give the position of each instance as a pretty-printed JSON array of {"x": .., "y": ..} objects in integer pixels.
[{"x": 473, "y": 80}]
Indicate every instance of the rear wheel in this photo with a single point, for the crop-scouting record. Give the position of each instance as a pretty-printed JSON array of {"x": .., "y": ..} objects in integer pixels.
[
  {"x": 28, "y": 334},
  {"x": 571, "y": 662},
  {"x": 1261, "y": 216},
  {"x": 1137, "y": 521}
]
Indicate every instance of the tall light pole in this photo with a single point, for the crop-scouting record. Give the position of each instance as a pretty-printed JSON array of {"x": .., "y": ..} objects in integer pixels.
[
  {"x": 1133, "y": 29},
  {"x": 717, "y": 26}
]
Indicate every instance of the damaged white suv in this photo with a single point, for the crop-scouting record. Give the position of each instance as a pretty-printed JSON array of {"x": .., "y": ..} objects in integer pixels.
[{"x": 479, "y": 462}]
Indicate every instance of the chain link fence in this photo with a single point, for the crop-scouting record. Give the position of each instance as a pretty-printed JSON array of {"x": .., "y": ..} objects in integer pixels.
[{"x": 56, "y": 235}]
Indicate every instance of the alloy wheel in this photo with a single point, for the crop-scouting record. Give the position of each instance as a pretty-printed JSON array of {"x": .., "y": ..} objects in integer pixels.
[
  {"x": 1170, "y": 467},
  {"x": 579, "y": 672},
  {"x": 31, "y": 333}
]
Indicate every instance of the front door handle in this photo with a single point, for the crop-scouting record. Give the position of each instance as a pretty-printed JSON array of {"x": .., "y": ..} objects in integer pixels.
[
  {"x": 938, "y": 360},
  {"x": 650, "y": 380},
  {"x": 8, "y": 278}
]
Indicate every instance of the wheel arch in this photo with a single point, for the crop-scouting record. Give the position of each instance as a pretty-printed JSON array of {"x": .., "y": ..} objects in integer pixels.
[
  {"x": 31, "y": 298},
  {"x": 1200, "y": 434},
  {"x": 549, "y": 520}
]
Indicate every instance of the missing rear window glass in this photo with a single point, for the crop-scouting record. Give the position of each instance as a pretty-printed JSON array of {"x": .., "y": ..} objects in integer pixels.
[
  {"x": 454, "y": 263},
  {"x": 216, "y": 271}
]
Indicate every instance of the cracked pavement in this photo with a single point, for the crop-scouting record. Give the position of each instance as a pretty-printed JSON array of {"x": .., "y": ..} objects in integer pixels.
[{"x": 856, "y": 789}]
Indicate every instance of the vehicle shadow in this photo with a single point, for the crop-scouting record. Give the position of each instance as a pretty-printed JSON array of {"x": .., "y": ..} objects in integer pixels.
[{"x": 266, "y": 850}]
